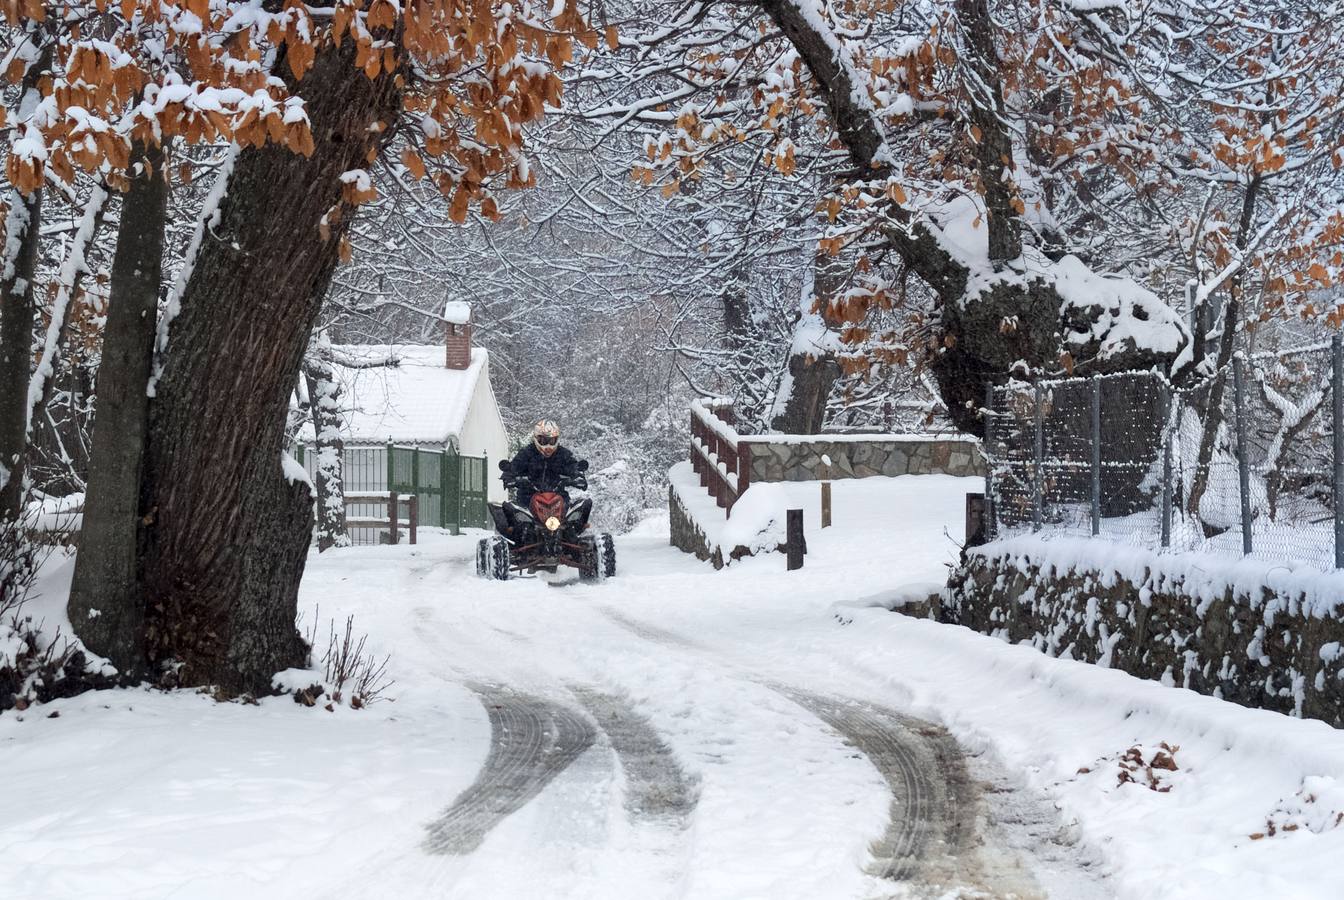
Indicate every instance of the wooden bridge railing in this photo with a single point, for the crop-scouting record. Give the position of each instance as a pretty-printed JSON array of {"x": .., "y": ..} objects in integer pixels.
[{"x": 719, "y": 455}]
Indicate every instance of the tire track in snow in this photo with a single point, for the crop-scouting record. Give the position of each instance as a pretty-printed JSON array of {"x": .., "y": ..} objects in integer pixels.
[
  {"x": 532, "y": 740},
  {"x": 657, "y": 789},
  {"x": 934, "y": 839},
  {"x": 928, "y": 817}
]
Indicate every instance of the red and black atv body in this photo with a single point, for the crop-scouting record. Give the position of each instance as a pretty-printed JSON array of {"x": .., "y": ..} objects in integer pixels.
[{"x": 549, "y": 533}]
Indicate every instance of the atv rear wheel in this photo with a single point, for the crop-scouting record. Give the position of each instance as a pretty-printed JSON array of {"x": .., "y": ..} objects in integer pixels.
[{"x": 493, "y": 558}]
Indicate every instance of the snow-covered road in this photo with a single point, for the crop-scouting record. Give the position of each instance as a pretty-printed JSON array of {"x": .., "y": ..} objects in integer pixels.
[{"x": 673, "y": 732}]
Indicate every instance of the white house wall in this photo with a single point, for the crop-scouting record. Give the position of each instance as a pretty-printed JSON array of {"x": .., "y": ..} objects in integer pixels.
[{"x": 483, "y": 434}]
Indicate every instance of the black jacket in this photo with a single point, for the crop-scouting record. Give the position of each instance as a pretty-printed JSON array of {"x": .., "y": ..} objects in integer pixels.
[{"x": 544, "y": 472}]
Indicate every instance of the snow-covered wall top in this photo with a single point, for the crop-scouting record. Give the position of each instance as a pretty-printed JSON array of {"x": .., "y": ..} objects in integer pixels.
[{"x": 1250, "y": 631}]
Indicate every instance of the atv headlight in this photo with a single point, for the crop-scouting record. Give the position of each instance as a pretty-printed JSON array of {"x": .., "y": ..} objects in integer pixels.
[{"x": 552, "y": 524}]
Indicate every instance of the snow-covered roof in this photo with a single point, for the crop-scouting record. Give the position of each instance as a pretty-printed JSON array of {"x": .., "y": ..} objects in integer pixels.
[{"x": 419, "y": 400}]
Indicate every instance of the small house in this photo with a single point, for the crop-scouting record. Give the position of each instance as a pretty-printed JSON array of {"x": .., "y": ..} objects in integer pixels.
[{"x": 421, "y": 419}]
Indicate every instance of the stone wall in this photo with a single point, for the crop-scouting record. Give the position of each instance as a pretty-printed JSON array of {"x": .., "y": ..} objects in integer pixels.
[
  {"x": 1266, "y": 641},
  {"x": 689, "y": 537},
  {"x": 801, "y": 461}
]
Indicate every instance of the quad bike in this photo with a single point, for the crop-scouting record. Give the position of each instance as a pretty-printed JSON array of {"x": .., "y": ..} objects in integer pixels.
[{"x": 550, "y": 532}]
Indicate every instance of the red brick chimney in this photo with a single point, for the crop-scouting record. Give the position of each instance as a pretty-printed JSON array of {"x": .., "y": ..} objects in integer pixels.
[{"x": 457, "y": 325}]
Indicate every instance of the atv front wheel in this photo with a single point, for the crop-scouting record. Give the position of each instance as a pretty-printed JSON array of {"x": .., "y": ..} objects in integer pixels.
[{"x": 493, "y": 558}]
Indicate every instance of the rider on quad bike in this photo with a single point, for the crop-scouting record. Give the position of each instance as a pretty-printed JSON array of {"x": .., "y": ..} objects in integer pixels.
[
  {"x": 544, "y": 465},
  {"x": 542, "y": 529}
]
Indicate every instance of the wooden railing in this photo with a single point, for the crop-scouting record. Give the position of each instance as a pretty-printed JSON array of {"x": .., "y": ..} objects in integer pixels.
[
  {"x": 719, "y": 455},
  {"x": 392, "y": 519}
]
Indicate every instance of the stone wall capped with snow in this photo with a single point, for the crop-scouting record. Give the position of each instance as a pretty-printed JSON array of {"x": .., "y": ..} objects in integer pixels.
[
  {"x": 863, "y": 457},
  {"x": 1243, "y": 630}
]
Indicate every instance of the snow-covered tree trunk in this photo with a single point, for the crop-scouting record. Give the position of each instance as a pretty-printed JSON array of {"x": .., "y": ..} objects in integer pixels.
[
  {"x": 18, "y": 257},
  {"x": 18, "y": 263},
  {"x": 105, "y": 606},
  {"x": 800, "y": 403},
  {"x": 227, "y": 525},
  {"x": 329, "y": 449}
]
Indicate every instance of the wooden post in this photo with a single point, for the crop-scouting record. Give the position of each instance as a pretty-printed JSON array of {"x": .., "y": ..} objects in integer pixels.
[
  {"x": 977, "y": 532},
  {"x": 794, "y": 543},
  {"x": 392, "y": 503},
  {"x": 414, "y": 512}
]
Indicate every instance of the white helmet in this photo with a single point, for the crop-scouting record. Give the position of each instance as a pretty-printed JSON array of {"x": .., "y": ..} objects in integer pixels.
[{"x": 546, "y": 436}]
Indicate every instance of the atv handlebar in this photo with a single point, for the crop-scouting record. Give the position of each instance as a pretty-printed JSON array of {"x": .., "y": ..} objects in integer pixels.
[{"x": 579, "y": 482}]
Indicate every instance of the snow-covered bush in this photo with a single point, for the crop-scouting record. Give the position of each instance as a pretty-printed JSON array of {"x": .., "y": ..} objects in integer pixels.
[{"x": 34, "y": 666}]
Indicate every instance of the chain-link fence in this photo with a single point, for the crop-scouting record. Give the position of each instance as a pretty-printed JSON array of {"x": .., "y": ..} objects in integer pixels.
[{"x": 1247, "y": 462}]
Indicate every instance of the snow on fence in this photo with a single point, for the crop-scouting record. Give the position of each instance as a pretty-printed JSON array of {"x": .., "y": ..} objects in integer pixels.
[
  {"x": 1118, "y": 457},
  {"x": 728, "y": 463},
  {"x": 450, "y": 488}
]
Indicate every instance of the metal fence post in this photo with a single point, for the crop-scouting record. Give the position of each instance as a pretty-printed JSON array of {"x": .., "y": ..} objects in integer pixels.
[
  {"x": 1166, "y": 464},
  {"x": 988, "y": 446},
  {"x": 1038, "y": 479},
  {"x": 1243, "y": 454},
  {"x": 415, "y": 469},
  {"x": 391, "y": 471},
  {"x": 1096, "y": 455},
  {"x": 443, "y": 488},
  {"x": 298, "y": 457},
  {"x": 1337, "y": 390}
]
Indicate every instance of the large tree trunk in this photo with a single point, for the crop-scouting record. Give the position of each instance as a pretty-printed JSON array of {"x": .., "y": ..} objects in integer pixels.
[
  {"x": 227, "y": 531},
  {"x": 104, "y": 596}
]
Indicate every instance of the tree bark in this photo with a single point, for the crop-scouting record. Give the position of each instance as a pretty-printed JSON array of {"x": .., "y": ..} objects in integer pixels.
[
  {"x": 104, "y": 601},
  {"x": 993, "y": 146},
  {"x": 17, "y": 308},
  {"x": 18, "y": 266},
  {"x": 227, "y": 532},
  {"x": 812, "y": 371}
]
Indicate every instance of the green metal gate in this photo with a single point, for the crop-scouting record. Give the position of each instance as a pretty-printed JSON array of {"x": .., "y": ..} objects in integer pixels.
[
  {"x": 472, "y": 492},
  {"x": 452, "y": 488}
]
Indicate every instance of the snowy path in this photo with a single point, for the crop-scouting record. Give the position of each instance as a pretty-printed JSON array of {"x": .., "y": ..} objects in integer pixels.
[
  {"x": 688, "y": 761},
  {"x": 675, "y": 732}
]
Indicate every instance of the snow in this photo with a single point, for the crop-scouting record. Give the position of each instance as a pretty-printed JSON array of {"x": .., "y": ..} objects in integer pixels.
[
  {"x": 1121, "y": 314},
  {"x": 1204, "y": 576},
  {"x": 142, "y": 794},
  {"x": 294, "y": 472},
  {"x": 417, "y": 401},
  {"x": 457, "y": 312}
]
